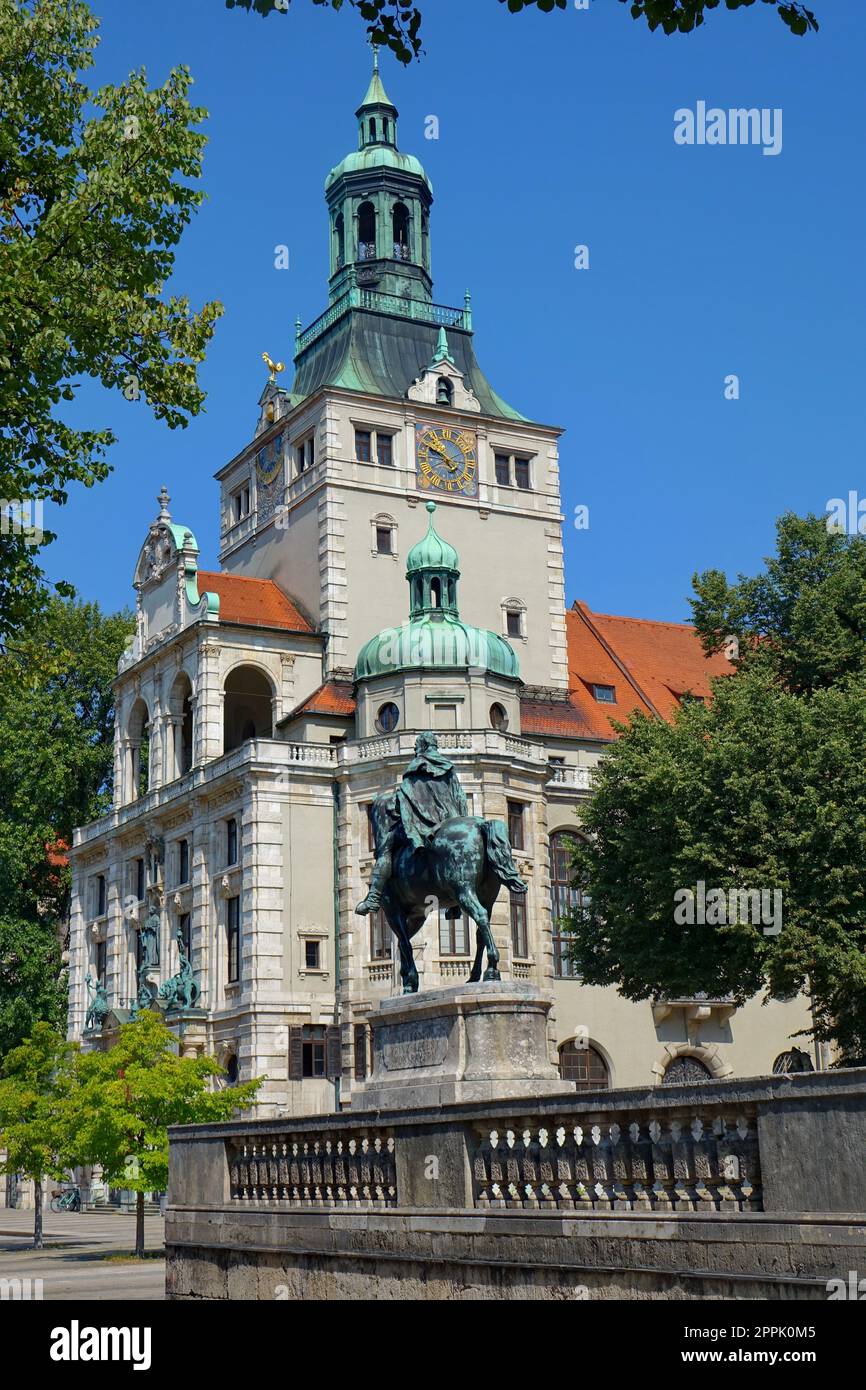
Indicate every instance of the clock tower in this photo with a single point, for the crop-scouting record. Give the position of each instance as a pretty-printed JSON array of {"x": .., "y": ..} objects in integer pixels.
[{"x": 388, "y": 409}]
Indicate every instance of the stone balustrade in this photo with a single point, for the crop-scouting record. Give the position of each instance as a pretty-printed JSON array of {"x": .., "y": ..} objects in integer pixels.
[
  {"x": 752, "y": 1145},
  {"x": 680, "y": 1163},
  {"x": 357, "y": 1169}
]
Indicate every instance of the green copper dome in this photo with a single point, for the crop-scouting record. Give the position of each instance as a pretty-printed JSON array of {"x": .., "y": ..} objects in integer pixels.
[
  {"x": 435, "y": 637},
  {"x": 432, "y": 552},
  {"x": 378, "y": 157}
]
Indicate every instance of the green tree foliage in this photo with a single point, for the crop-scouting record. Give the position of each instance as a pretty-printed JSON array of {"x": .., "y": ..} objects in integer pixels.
[
  {"x": 128, "y": 1096},
  {"x": 96, "y": 189},
  {"x": 37, "y": 1082},
  {"x": 56, "y": 756},
  {"x": 764, "y": 787},
  {"x": 396, "y": 24}
]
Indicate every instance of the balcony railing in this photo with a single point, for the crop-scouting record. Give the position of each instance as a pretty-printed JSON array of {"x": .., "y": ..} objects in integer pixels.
[{"x": 440, "y": 315}]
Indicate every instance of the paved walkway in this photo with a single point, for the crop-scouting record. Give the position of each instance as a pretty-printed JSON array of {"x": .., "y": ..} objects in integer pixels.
[{"x": 73, "y": 1264}]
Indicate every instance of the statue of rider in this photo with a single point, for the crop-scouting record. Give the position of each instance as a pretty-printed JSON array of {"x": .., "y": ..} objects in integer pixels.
[{"x": 429, "y": 794}]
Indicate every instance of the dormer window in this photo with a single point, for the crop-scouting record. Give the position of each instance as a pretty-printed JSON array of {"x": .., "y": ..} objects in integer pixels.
[{"x": 605, "y": 694}]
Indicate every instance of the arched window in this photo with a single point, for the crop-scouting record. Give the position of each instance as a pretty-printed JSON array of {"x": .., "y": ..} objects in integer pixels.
[
  {"x": 400, "y": 231},
  {"x": 444, "y": 391},
  {"x": 436, "y": 593},
  {"x": 180, "y": 704},
  {"x": 791, "y": 1062},
  {"x": 232, "y": 1070},
  {"x": 371, "y": 128},
  {"x": 584, "y": 1066},
  {"x": 366, "y": 232},
  {"x": 138, "y": 730},
  {"x": 564, "y": 898},
  {"x": 340, "y": 230},
  {"x": 386, "y": 130},
  {"x": 686, "y": 1071},
  {"x": 247, "y": 708}
]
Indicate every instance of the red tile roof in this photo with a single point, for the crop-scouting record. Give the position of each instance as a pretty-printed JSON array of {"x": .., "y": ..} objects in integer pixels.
[
  {"x": 651, "y": 665},
  {"x": 334, "y": 697},
  {"x": 257, "y": 602}
]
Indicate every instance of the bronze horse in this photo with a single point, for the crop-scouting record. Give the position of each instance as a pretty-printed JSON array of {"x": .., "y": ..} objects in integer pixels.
[{"x": 453, "y": 871}]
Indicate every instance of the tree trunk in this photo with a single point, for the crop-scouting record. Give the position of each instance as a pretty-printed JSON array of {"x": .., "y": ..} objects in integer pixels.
[
  {"x": 139, "y": 1225},
  {"x": 37, "y": 1213}
]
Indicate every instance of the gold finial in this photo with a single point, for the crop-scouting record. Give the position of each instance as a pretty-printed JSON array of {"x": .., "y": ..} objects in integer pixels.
[{"x": 273, "y": 367}]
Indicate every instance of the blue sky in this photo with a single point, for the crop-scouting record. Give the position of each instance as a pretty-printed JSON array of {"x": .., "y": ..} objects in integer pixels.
[{"x": 555, "y": 130}]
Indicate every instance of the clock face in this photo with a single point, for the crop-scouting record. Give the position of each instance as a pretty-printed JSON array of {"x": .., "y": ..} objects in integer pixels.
[
  {"x": 269, "y": 460},
  {"x": 446, "y": 460}
]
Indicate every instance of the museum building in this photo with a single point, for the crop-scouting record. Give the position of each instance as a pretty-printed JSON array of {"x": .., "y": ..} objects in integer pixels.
[{"x": 261, "y": 706}]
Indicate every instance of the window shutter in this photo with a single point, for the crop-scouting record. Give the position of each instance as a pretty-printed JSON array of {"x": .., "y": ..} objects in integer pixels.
[
  {"x": 333, "y": 1053},
  {"x": 360, "y": 1051},
  {"x": 296, "y": 1054}
]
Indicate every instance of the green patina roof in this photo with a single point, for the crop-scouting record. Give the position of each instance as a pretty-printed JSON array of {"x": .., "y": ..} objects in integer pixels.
[
  {"x": 383, "y": 354},
  {"x": 432, "y": 552},
  {"x": 378, "y": 157},
  {"x": 376, "y": 94},
  {"x": 437, "y": 643}
]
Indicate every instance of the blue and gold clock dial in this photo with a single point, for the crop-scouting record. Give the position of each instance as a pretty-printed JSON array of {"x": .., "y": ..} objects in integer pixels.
[
  {"x": 269, "y": 460},
  {"x": 446, "y": 460}
]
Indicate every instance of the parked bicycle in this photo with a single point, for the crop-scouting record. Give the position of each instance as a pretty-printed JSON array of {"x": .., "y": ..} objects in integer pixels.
[{"x": 66, "y": 1201}]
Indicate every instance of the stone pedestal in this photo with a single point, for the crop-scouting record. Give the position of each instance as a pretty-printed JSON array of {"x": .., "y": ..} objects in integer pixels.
[{"x": 466, "y": 1043}]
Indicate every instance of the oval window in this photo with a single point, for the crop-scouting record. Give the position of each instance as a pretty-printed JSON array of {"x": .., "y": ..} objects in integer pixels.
[
  {"x": 388, "y": 718},
  {"x": 499, "y": 717}
]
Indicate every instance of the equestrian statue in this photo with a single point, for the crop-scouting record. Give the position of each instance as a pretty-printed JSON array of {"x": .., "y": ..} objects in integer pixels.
[{"x": 430, "y": 852}]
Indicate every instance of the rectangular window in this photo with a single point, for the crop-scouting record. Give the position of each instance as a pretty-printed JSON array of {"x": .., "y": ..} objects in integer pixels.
[
  {"x": 363, "y": 451},
  {"x": 519, "y": 937},
  {"x": 233, "y": 932},
  {"x": 503, "y": 470},
  {"x": 185, "y": 929},
  {"x": 183, "y": 861},
  {"x": 380, "y": 937},
  {"x": 241, "y": 504},
  {"x": 383, "y": 540},
  {"x": 97, "y": 896},
  {"x": 515, "y": 825},
  {"x": 313, "y": 955},
  {"x": 605, "y": 694},
  {"x": 362, "y": 1051},
  {"x": 138, "y": 871},
  {"x": 514, "y": 622},
  {"x": 384, "y": 451},
  {"x": 367, "y": 808},
  {"x": 453, "y": 935},
  {"x": 311, "y": 451},
  {"x": 300, "y": 458},
  {"x": 231, "y": 841},
  {"x": 521, "y": 472},
  {"x": 101, "y": 961},
  {"x": 314, "y": 1050}
]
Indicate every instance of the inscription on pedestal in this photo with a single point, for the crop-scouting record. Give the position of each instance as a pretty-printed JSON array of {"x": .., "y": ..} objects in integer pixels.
[{"x": 411, "y": 1045}]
